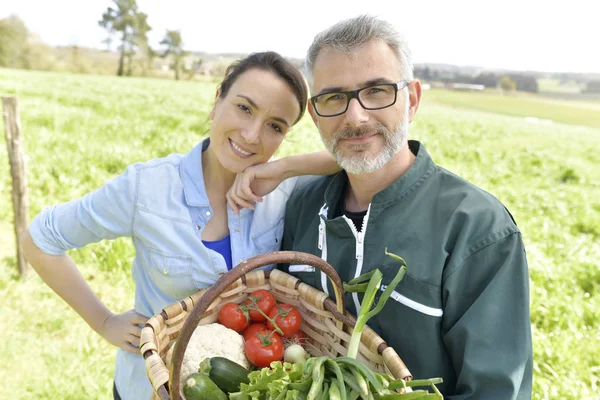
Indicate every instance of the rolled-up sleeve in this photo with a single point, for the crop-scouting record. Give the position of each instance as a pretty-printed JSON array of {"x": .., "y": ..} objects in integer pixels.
[
  {"x": 106, "y": 213},
  {"x": 486, "y": 325}
]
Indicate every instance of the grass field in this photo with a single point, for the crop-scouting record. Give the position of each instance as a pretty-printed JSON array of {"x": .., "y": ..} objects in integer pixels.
[
  {"x": 582, "y": 111},
  {"x": 547, "y": 85},
  {"x": 81, "y": 130}
]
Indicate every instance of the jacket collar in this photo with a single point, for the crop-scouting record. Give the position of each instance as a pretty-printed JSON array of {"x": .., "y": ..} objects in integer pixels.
[
  {"x": 192, "y": 177},
  {"x": 418, "y": 171}
]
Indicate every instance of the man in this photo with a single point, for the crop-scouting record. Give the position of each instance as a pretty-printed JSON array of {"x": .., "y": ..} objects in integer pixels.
[{"x": 462, "y": 310}]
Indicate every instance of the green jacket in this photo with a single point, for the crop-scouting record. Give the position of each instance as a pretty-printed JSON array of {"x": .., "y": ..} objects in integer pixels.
[{"x": 462, "y": 310}]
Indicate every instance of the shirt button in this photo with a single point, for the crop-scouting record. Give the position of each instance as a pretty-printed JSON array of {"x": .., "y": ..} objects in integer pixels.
[
  {"x": 208, "y": 213},
  {"x": 198, "y": 227},
  {"x": 237, "y": 229}
]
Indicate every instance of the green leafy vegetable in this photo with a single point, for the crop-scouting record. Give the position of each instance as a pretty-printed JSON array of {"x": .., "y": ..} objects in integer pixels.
[
  {"x": 271, "y": 383},
  {"x": 365, "y": 313}
]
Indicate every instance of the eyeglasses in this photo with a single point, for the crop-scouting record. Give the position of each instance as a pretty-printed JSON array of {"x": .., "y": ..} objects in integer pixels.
[{"x": 374, "y": 97}]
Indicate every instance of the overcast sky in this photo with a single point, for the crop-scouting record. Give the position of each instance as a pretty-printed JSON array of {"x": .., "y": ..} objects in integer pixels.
[{"x": 523, "y": 35}]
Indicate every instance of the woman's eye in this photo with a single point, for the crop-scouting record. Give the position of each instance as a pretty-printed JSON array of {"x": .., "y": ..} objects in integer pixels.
[
  {"x": 276, "y": 128},
  {"x": 244, "y": 108}
]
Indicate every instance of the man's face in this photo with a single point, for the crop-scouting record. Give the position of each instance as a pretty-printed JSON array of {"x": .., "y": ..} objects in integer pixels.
[{"x": 362, "y": 141}]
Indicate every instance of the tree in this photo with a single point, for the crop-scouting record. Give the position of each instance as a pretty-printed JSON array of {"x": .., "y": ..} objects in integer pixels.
[
  {"x": 592, "y": 87},
  {"x": 19, "y": 48},
  {"x": 487, "y": 79},
  {"x": 13, "y": 42},
  {"x": 507, "y": 84},
  {"x": 174, "y": 47},
  {"x": 132, "y": 26},
  {"x": 525, "y": 83}
]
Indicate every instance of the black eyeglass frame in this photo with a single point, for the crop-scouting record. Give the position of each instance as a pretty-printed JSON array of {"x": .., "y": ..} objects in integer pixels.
[{"x": 353, "y": 94}]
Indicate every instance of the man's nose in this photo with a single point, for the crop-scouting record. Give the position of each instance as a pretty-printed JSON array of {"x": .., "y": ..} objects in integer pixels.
[
  {"x": 355, "y": 114},
  {"x": 251, "y": 133}
]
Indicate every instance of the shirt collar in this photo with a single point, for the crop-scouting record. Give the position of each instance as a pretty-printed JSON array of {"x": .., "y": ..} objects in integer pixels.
[
  {"x": 192, "y": 177},
  {"x": 415, "y": 174}
]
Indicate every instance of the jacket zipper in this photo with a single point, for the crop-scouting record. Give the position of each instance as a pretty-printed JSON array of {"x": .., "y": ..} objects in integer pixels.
[{"x": 360, "y": 249}]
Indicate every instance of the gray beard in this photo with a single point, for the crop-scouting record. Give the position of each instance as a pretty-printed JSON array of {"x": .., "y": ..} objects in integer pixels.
[{"x": 360, "y": 162}]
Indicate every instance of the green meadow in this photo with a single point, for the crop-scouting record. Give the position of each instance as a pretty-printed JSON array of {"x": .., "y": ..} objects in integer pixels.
[
  {"x": 80, "y": 130},
  {"x": 584, "y": 111}
]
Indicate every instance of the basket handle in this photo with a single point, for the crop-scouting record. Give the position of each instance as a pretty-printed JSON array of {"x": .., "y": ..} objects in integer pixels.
[{"x": 190, "y": 324}]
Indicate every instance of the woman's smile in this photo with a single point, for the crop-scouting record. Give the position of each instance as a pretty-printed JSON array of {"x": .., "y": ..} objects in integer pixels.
[{"x": 239, "y": 150}]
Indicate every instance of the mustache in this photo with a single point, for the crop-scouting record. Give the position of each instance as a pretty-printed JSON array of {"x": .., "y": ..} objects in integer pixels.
[{"x": 351, "y": 133}]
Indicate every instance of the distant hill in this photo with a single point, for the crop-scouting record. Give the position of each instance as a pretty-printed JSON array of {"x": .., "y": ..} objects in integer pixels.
[{"x": 94, "y": 60}]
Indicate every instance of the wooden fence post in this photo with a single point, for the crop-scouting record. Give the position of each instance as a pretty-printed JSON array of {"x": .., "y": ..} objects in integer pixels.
[{"x": 18, "y": 172}]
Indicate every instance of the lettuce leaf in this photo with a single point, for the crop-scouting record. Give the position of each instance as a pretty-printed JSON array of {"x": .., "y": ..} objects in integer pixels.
[{"x": 271, "y": 383}]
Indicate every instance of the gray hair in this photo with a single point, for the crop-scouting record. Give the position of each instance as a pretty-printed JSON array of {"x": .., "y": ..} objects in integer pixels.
[{"x": 347, "y": 35}]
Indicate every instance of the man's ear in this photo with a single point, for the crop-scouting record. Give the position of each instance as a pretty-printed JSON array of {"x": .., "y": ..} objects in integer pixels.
[
  {"x": 414, "y": 97},
  {"x": 217, "y": 99}
]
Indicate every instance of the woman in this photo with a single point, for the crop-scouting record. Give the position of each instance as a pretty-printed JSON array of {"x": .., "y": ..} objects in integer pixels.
[{"x": 175, "y": 210}]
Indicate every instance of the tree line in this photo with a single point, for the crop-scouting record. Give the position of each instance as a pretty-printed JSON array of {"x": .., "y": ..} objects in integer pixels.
[
  {"x": 126, "y": 25},
  {"x": 509, "y": 81},
  {"x": 130, "y": 26}
]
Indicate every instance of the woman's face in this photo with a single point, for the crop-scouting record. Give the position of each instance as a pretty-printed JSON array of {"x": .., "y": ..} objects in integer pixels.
[{"x": 249, "y": 124}]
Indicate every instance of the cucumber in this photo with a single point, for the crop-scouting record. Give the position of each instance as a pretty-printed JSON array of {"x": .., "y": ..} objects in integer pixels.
[
  {"x": 226, "y": 374},
  {"x": 200, "y": 387}
]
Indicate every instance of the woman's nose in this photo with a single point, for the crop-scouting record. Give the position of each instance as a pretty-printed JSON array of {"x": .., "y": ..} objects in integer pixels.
[{"x": 251, "y": 133}]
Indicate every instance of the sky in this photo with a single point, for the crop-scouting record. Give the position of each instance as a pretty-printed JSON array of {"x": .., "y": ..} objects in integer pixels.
[{"x": 560, "y": 36}]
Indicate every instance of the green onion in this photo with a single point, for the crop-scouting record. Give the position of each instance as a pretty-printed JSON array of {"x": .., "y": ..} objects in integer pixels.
[{"x": 357, "y": 285}]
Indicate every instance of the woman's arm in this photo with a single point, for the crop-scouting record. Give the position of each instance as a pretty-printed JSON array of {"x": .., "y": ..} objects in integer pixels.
[
  {"x": 261, "y": 179},
  {"x": 317, "y": 163},
  {"x": 106, "y": 213},
  {"x": 62, "y": 276}
]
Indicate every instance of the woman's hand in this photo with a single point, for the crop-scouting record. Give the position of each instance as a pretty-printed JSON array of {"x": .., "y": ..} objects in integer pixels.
[
  {"x": 256, "y": 181},
  {"x": 122, "y": 330}
]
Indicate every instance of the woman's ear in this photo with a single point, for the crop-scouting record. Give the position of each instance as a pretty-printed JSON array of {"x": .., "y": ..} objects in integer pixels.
[{"x": 217, "y": 99}]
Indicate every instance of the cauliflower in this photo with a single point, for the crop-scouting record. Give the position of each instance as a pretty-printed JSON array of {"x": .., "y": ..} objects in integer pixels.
[{"x": 207, "y": 341}]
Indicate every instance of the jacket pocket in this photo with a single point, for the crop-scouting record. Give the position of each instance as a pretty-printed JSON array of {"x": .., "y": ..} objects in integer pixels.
[
  {"x": 171, "y": 273},
  {"x": 414, "y": 294}
]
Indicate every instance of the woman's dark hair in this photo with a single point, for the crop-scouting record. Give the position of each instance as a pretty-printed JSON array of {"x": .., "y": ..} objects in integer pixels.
[{"x": 272, "y": 62}]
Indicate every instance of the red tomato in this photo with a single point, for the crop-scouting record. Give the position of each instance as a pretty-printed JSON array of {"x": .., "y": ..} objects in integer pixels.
[
  {"x": 262, "y": 352},
  {"x": 254, "y": 328},
  {"x": 287, "y": 318},
  {"x": 262, "y": 299},
  {"x": 233, "y": 317}
]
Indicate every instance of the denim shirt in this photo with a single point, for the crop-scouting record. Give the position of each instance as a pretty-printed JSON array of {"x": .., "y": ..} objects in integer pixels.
[{"x": 163, "y": 206}]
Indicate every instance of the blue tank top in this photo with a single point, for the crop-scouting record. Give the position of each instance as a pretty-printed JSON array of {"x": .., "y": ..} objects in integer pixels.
[{"x": 222, "y": 247}]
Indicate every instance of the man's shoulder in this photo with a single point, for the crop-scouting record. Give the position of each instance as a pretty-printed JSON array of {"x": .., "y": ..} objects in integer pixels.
[
  {"x": 309, "y": 196},
  {"x": 463, "y": 192},
  {"x": 468, "y": 205},
  {"x": 315, "y": 190}
]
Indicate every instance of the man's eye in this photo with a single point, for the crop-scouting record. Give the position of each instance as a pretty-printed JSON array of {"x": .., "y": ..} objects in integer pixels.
[
  {"x": 333, "y": 97},
  {"x": 375, "y": 90},
  {"x": 244, "y": 108}
]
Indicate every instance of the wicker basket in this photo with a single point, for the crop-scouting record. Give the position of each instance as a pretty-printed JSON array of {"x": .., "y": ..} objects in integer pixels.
[{"x": 325, "y": 323}]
